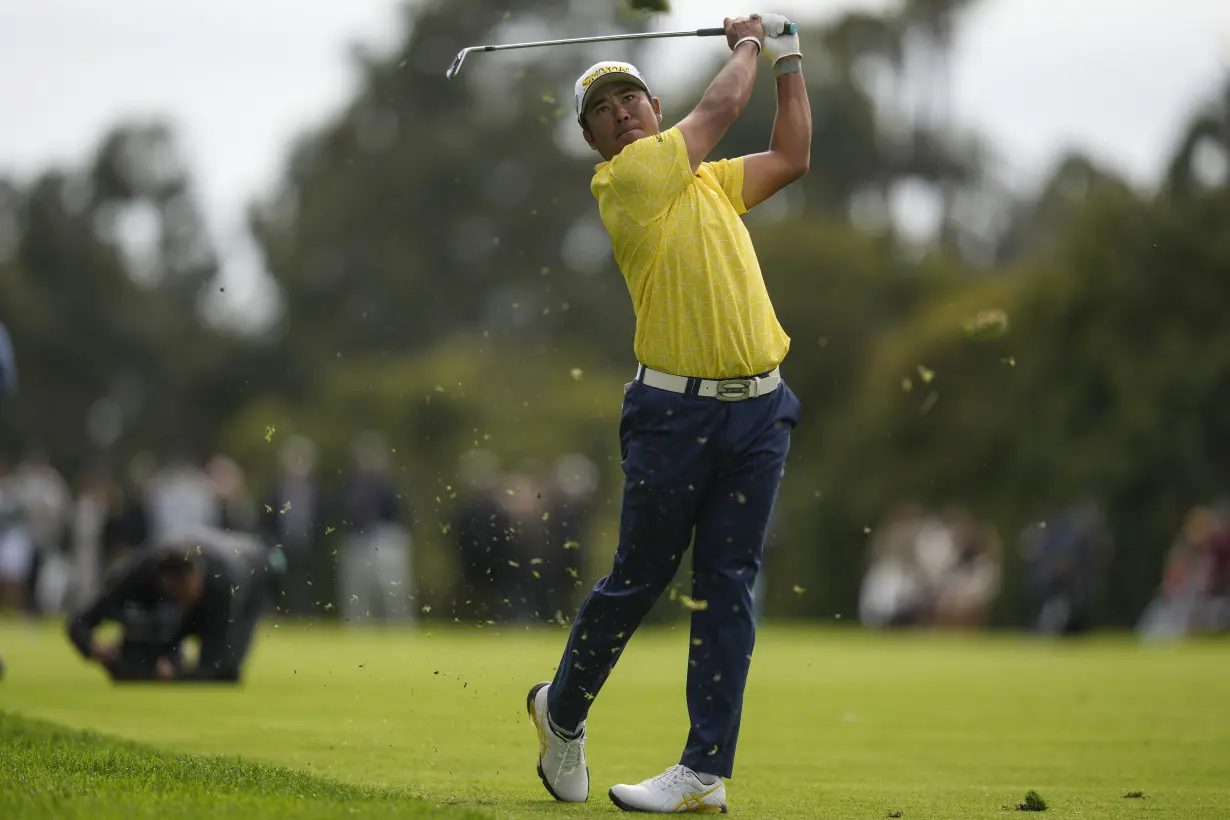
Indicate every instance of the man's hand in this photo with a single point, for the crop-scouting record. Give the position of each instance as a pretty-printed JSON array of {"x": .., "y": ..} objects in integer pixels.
[
  {"x": 164, "y": 670},
  {"x": 741, "y": 28},
  {"x": 105, "y": 653},
  {"x": 781, "y": 38}
]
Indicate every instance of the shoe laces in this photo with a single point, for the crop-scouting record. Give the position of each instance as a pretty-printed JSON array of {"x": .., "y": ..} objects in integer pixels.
[
  {"x": 675, "y": 774},
  {"x": 570, "y": 754}
]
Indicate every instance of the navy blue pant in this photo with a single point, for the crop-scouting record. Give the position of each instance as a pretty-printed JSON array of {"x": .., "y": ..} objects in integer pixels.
[{"x": 700, "y": 471}]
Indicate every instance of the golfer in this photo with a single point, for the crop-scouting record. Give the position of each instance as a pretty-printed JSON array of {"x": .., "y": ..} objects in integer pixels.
[{"x": 706, "y": 422}]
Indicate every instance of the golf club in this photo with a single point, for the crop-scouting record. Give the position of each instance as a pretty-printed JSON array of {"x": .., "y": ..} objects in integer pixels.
[{"x": 455, "y": 68}]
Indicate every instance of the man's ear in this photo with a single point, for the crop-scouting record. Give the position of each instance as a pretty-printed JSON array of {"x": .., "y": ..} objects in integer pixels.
[
  {"x": 657, "y": 108},
  {"x": 589, "y": 138}
]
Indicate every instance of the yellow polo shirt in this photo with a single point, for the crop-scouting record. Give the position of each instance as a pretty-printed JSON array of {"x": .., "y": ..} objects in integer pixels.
[{"x": 700, "y": 300}]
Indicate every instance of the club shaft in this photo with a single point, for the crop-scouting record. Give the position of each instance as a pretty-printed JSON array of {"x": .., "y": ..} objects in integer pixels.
[{"x": 703, "y": 32}]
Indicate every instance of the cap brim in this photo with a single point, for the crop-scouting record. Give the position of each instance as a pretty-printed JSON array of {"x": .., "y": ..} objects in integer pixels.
[{"x": 603, "y": 81}]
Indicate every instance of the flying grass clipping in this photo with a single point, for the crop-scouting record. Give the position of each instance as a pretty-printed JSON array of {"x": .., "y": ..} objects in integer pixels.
[{"x": 987, "y": 324}]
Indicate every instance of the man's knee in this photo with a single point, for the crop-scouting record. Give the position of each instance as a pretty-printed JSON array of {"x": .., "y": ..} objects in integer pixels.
[
  {"x": 725, "y": 567},
  {"x": 642, "y": 572},
  {"x": 726, "y": 587}
]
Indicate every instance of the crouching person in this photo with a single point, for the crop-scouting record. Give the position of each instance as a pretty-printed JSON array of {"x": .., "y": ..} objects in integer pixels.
[{"x": 213, "y": 584}]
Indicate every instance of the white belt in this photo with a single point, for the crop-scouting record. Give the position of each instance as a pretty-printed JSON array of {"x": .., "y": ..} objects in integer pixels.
[{"x": 720, "y": 389}]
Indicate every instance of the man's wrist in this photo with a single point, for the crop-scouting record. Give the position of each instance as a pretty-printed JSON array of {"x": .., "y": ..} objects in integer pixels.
[
  {"x": 753, "y": 41},
  {"x": 790, "y": 64}
]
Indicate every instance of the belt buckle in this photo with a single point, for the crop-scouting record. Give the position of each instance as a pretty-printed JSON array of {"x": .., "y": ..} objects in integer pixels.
[{"x": 734, "y": 389}]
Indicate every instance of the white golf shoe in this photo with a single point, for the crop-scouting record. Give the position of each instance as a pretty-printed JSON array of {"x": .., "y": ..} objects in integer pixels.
[
  {"x": 561, "y": 760},
  {"x": 676, "y": 791}
]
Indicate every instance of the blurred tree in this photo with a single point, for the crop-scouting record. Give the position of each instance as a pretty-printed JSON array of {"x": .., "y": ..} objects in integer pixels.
[
  {"x": 935, "y": 23},
  {"x": 101, "y": 276},
  {"x": 868, "y": 139},
  {"x": 430, "y": 207},
  {"x": 934, "y": 155},
  {"x": 1112, "y": 382},
  {"x": 1202, "y": 159},
  {"x": 1034, "y": 224}
]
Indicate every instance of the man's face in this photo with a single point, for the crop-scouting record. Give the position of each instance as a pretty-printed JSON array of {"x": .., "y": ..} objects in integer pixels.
[
  {"x": 184, "y": 590},
  {"x": 618, "y": 115}
]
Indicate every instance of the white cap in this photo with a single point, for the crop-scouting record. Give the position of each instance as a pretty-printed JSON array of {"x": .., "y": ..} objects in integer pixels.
[{"x": 601, "y": 74}]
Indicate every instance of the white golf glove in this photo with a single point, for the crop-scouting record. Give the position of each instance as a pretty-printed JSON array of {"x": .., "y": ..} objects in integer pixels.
[{"x": 781, "y": 38}]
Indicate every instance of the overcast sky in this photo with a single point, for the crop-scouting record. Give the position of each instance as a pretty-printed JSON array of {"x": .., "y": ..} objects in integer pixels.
[{"x": 1115, "y": 77}]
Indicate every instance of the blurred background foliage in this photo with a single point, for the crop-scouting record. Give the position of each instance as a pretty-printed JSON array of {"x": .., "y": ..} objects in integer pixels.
[{"x": 443, "y": 278}]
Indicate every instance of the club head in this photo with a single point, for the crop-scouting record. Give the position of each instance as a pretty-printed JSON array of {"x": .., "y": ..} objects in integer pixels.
[{"x": 456, "y": 66}]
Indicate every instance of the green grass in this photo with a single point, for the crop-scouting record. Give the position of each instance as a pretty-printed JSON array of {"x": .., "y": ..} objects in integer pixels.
[
  {"x": 60, "y": 773},
  {"x": 838, "y": 724}
]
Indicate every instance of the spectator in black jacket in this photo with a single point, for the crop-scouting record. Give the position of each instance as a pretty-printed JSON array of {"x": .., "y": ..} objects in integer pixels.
[{"x": 213, "y": 584}]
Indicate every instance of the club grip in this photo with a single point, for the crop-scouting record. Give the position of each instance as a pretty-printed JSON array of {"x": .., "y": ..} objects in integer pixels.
[{"x": 788, "y": 28}]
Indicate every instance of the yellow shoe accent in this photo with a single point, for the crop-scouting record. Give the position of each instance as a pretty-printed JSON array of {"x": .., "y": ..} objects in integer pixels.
[{"x": 693, "y": 803}]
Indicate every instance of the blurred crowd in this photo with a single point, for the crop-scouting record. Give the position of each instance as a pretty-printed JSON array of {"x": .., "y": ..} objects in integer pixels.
[
  {"x": 944, "y": 568},
  {"x": 515, "y": 538},
  {"x": 348, "y": 544},
  {"x": 518, "y": 536},
  {"x": 930, "y": 569}
]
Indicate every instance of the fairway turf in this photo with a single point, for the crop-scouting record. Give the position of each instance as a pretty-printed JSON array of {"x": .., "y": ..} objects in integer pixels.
[
  {"x": 51, "y": 772},
  {"x": 837, "y": 724}
]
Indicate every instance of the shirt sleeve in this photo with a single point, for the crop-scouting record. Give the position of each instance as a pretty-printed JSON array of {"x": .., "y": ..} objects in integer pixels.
[
  {"x": 647, "y": 176},
  {"x": 107, "y": 607},
  {"x": 729, "y": 175}
]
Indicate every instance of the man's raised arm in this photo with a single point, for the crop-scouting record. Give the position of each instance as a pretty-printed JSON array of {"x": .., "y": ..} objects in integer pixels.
[
  {"x": 789, "y": 154},
  {"x": 729, "y": 92}
]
